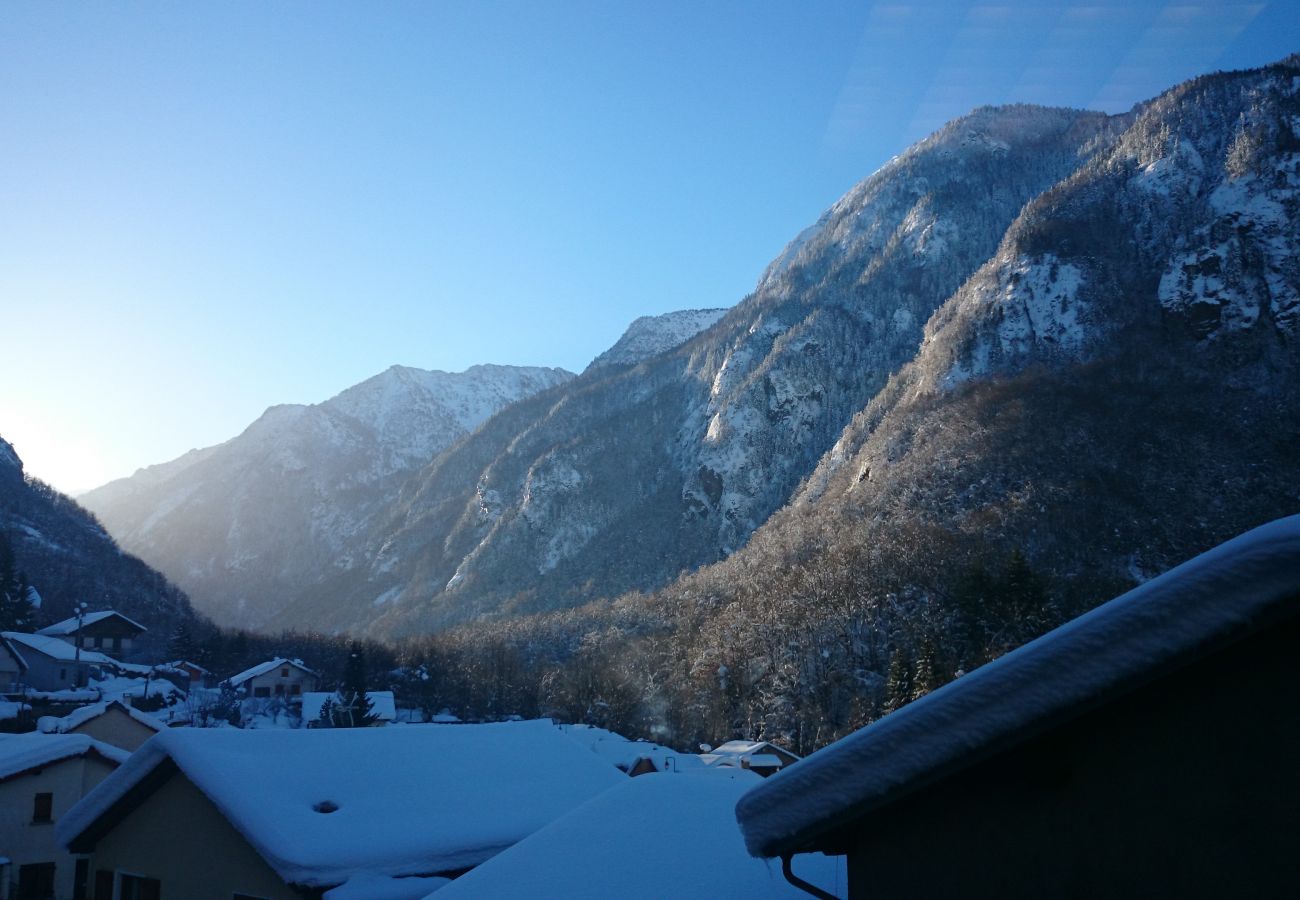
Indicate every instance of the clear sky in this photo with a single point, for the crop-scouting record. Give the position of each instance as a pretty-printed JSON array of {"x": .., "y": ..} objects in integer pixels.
[{"x": 210, "y": 208}]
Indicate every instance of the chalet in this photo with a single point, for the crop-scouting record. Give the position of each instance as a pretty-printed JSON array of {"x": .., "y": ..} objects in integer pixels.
[
  {"x": 193, "y": 674},
  {"x": 279, "y": 814},
  {"x": 13, "y": 668},
  {"x": 761, "y": 757},
  {"x": 1146, "y": 748},
  {"x": 648, "y": 838},
  {"x": 276, "y": 678},
  {"x": 107, "y": 631},
  {"x": 113, "y": 723},
  {"x": 55, "y": 665},
  {"x": 41, "y": 777},
  {"x": 383, "y": 706}
]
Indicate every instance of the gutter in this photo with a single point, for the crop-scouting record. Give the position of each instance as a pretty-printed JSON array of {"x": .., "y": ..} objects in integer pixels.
[{"x": 798, "y": 882}]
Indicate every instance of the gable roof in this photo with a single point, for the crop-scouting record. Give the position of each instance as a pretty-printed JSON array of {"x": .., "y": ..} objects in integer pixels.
[
  {"x": 1192, "y": 610},
  {"x": 384, "y": 706},
  {"x": 13, "y": 651},
  {"x": 69, "y": 626},
  {"x": 648, "y": 838},
  {"x": 79, "y": 717},
  {"x": 756, "y": 753},
  {"x": 624, "y": 753},
  {"x": 59, "y": 649},
  {"x": 269, "y": 666},
  {"x": 445, "y": 797},
  {"x": 23, "y": 753}
]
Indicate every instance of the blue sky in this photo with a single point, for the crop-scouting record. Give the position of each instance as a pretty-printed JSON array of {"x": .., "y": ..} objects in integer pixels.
[{"x": 210, "y": 208}]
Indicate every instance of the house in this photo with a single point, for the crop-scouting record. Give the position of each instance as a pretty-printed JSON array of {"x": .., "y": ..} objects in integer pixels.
[
  {"x": 646, "y": 839},
  {"x": 281, "y": 813},
  {"x": 276, "y": 678},
  {"x": 1146, "y": 748},
  {"x": 762, "y": 757},
  {"x": 108, "y": 631},
  {"x": 41, "y": 777},
  {"x": 55, "y": 665},
  {"x": 383, "y": 706},
  {"x": 185, "y": 674},
  {"x": 13, "y": 668},
  {"x": 112, "y": 722}
]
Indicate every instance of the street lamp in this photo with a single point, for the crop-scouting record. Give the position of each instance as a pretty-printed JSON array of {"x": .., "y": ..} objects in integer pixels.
[{"x": 81, "y": 611}]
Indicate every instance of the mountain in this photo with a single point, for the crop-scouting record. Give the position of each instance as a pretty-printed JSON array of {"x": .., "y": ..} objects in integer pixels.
[
  {"x": 276, "y": 510},
  {"x": 64, "y": 553},
  {"x": 1113, "y": 390},
  {"x": 651, "y": 335},
  {"x": 627, "y": 476}
]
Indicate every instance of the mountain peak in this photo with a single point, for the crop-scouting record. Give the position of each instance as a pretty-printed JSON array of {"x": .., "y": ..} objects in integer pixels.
[{"x": 649, "y": 336}]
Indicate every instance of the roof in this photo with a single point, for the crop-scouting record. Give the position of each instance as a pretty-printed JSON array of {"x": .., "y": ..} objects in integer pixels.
[
  {"x": 13, "y": 651},
  {"x": 624, "y": 753},
  {"x": 763, "y": 754},
  {"x": 69, "y": 626},
  {"x": 21, "y": 753},
  {"x": 185, "y": 664},
  {"x": 443, "y": 799},
  {"x": 383, "y": 705},
  {"x": 648, "y": 838},
  {"x": 1202, "y": 605},
  {"x": 58, "y": 648},
  {"x": 79, "y": 717},
  {"x": 268, "y": 666}
]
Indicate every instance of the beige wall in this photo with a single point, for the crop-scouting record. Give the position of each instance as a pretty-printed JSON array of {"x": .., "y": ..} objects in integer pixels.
[
  {"x": 272, "y": 678},
  {"x": 180, "y": 838},
  {"x": 116, "y": 727},
  {"x": 24, "y": 841}
]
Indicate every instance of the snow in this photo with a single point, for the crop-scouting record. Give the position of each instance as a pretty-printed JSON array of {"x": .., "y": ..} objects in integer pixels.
[
  {"x": 623, "y": 753},
  {"x": 268, "y": 666},
  {"x": 58, "y": 648},
  {"x": 651, "y": 335},
  {"x": 21, "y": 752},
  {"x": 364, "y": 886},
  {"x": 69, "y": 626},
  {"x": 10, "y": 709},
  {"x": 383, "y": 704},
  {"x": 1167, "y": 621},
  {"x": 416, "y": 800},
  {"x": 79, "y": 717},
  {"x": 651, "y": 837}
]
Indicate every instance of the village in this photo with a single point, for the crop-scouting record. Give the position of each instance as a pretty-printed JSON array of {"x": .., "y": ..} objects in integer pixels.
[{"x": 117, "y": 792}]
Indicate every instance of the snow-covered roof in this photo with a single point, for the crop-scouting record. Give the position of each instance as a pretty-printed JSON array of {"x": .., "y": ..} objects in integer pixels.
[
  {"x": 13, "y": 651},
  {"x": 269, "y": 666},
  {"x": 21, "y": 753},
  {"x": 624, "y": 753},
  {"x": 650, "y": 837},
  {"x": 69, "y": 626},
  {"x": 364, "y": 886},
  {"x": 79, "y": 717},
  {"x": 59, "y": 649},
  {"x": 416, "y": 800},
  {"x": 1203, "y": 604},
  {"x": 762, "y": 754},
  {"x": 383, "y": 705}
]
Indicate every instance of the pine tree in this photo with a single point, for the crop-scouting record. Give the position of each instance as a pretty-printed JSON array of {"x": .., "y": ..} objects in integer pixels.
[
  {"x": 182, "y": 646},
  {"x": 16, "y": 611},
  {"x": 898, "y": 685},
  {"x": 355, "y": 709}
]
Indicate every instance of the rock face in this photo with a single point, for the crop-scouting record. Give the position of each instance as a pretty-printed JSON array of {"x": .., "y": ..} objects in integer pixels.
[
  {"x": 68, "y": 558},
  {"x": 280, "y": 508}
]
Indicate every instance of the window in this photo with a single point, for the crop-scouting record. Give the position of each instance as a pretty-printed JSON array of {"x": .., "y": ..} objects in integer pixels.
[
  {"x": 63, "y": 674},
  {"x": 295, "y": 690},
  {"x": 98, "y": 643},
  {"x": 117, "y": 644},
  {"x": 36, "y": 881},
  {"x": 137, "y": 887},
  {"x": 43, "y": 808},
  {"x": 279, "y": 690},
  {"x": 261, "y": 692},
  {"x": 284, "y": 673}
]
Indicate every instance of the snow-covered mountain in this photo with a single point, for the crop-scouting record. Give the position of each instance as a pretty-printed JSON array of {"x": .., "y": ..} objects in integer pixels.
[
  {"x": 651, "y": 335},
  {"x": 280, "y": 506}
]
